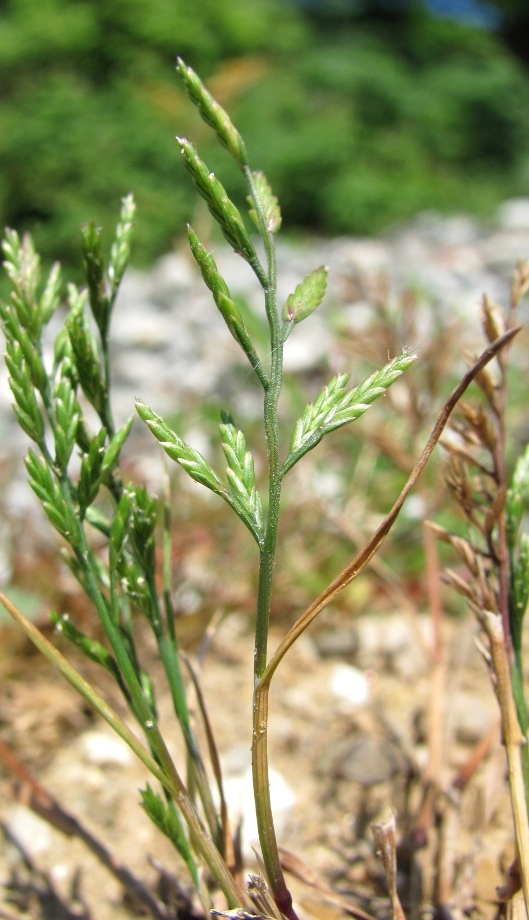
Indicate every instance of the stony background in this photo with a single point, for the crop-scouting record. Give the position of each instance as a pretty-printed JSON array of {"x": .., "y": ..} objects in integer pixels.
[{"x": 170, "y": 343}]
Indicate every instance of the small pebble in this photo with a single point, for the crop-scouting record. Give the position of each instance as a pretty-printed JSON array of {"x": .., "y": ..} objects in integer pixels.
[
  {"x": 350, "y": 684},
  {"x": 105, "y": 750},
  {"x": 30, "y": 832},
  {"x": 238, "y": 790}
]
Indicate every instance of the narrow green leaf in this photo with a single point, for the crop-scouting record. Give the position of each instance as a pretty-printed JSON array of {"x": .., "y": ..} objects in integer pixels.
[{"x": 92, "y": 648}]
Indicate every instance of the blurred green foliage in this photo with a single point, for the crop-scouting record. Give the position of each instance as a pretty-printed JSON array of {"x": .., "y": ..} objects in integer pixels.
[{"x": 358, "y": 125}]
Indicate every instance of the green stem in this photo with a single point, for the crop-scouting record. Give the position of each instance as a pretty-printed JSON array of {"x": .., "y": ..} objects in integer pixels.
[
  {"x": 261, "y": 781},
  {"x": 271, "y": 399},
  {"x": 141, "y": 705},
  {"x": 171, "y": 663}
]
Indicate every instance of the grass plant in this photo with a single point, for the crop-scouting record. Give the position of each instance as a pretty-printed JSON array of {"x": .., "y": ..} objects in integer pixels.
[{"x": 75, "y": 468}]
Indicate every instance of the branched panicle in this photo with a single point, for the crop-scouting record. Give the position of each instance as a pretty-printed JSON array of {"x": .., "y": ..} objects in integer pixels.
[
  {"x": 67, "y": 417},
  {"x": 477, "y": 481},
  {"x": 335, "y": 406},
  {"x": 189, "y": 459},
  {"x": 46, "y": 401},
  {"x": 241, "y": 476},
  {"x": 221, "y": 207},
  {"x": 164, "y": 815},
  {"x": 86, "y": 352},
  {"x": 267, "y": 203},
  {"x": 495, "y": 553},
  {"x": 22, "y": 265},
  {"x": 90, "y": 472},
  {"x": 143, "y": 529},
  {"x": 121, "y": 246},
  {"x": 94, "y": 267}
]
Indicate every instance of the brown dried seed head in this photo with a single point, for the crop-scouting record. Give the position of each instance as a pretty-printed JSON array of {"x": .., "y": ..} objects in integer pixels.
[
  {"x": 440, "y": 532},
  {"x": 493, "y": 320},
  {"x": 490, "y": 435},
  {"x": 466, "y": 552},
  {"x": 487, "y": 383},
  {"x": 458, "y": 584},
  {"x": 495, "y": 509},
  {"x": 520, "y": 282}
]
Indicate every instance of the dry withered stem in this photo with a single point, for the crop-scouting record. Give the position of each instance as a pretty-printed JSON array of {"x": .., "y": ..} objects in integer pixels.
[
  {"x": 477, "y": 480},
  {"x": 385, "y": 836},
  {"x": 513, "y": 740}
]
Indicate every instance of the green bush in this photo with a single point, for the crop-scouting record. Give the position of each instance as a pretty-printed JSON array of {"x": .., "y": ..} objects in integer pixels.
[{"x": 360, "y": 123}]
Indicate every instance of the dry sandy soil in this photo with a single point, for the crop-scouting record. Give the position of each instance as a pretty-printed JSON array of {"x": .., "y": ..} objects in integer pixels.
[{"x": 364, "y": 723}]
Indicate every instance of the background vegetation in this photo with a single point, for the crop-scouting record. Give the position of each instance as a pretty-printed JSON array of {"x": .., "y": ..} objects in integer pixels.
[{"x": 360, "y": 113}]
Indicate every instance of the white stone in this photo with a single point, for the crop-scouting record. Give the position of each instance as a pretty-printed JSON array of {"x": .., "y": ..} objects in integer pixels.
[
  {"x": 350, "y": 684},
  {"x": 513, "y": 214},
  {"x": 173, "y": 274},
  {"x": 238, "y": 790},
  {"x": 33, "y": 834},
  {"x": 309, "y": 343},
  {"x": 103, "y": 749}
]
